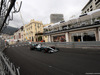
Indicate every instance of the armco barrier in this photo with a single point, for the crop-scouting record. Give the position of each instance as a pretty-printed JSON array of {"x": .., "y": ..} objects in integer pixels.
[
  {"x": 6, "y": 68},
  {"x": 88, "y": 44}
]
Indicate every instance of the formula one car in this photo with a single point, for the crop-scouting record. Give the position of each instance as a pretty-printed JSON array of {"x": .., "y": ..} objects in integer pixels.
[
  {"x": 45, "y": 49},
  {"x": 37, "y": 47},
  {"x": 33, "y": 46}
]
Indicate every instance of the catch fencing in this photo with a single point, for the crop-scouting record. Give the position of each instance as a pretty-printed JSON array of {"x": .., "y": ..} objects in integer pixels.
[{"x": 2, "y": 44}]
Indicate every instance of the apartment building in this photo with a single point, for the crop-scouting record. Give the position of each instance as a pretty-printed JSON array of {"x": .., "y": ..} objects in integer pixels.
[
  {"x": 91, "y": 5},
  {"x": 54, "y": 18},
  {"x": 17, "y": 35},
  {"x": 5, "y": 36},
  {"x": 33, "y": 31}
]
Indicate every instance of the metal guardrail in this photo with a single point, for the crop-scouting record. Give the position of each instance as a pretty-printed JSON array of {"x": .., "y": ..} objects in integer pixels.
[
  {"x": 5, "y": 9},
  {"x": 88, "y": 44},
  {"x": 8, "y": 68}
]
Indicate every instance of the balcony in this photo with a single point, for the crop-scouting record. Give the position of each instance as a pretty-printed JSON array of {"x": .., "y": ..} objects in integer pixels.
[
  {"x": 76, "y": 26},
  {"x": 39, "y": 33}
]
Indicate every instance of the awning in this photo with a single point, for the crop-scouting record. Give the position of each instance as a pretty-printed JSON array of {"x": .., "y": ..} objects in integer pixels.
[
  {"x": 95, "y": 13},
  {"x": 84, "y": 18}
]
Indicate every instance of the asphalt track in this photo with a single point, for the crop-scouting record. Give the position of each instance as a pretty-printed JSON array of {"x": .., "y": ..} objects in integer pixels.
[{"x": 64, "y": 62}]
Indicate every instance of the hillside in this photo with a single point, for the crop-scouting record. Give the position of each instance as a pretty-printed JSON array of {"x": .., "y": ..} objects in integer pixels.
[{"x": 9, "y": 30}]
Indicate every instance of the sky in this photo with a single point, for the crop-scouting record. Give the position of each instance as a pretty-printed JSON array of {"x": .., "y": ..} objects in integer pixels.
[{"x": 40, "y": 10}]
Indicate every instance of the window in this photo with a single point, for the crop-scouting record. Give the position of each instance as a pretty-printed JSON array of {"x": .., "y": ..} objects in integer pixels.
[
  {"x": 35, "y": 24},
  {"x": 91, "y": 6},
  {"x": 91, "y": 9},
  {"x": 97, "y": 2},
  {"x": 86, "y": 36},
  {"x": 90, "y": 36},
  {"x": 88, "y": 10},
  {"x": 38, "y": 26},
  {"x": 77, "y": 38},
  {"x": 19, "y": 35}
]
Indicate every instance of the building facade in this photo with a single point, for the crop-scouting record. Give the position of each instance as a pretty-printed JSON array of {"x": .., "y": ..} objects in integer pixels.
[
  {"x": 18, "y": 35},
  {"x": 33, "y": 31},
  {"x": 45, "y": 37},
  {"x": 91, "y": 5},
  {"x": 8, "y": 38},
  {"x": 80, "y": 29},
  {"x": 54, "y": 18},
  {"x": 5, "y": 36}
]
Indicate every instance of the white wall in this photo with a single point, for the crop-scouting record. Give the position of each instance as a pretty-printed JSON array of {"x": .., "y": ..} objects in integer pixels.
[{"x": 67, "y": 37}]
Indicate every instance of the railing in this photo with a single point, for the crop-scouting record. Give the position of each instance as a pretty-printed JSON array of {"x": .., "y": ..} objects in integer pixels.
[
  {"x": 81, "y": 24},
  {"x": 88, "y": 44},
  {"x": 7, "y": 67}
]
